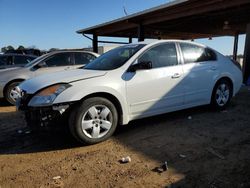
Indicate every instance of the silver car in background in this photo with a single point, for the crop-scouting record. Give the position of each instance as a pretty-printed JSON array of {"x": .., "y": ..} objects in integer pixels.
[{"x": 48, "y": 63}]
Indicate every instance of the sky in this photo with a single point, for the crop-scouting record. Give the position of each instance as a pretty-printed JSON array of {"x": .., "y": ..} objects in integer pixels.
[{"x": 53, "y": 23}]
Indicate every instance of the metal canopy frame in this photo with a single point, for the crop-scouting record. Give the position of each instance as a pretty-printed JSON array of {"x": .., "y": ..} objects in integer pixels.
[{"x": 182, "y": 19}]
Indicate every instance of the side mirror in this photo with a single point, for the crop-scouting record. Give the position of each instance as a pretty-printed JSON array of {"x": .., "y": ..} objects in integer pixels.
[
  {"x": 40, "y": 65},
  {"x": 143, "y": 65}
]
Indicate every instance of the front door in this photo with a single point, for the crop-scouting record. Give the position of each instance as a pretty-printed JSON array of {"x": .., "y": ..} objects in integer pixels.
[{"x": 159, "y": 89}]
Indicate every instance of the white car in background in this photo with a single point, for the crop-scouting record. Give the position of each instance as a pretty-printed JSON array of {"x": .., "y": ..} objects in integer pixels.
[
  {"x": 52, "y": 62},
  {"x": 127, "y": 83}
]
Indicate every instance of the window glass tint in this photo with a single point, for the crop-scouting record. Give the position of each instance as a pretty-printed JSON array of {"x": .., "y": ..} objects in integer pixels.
[
  {"x": 6, "y": 60},
  {"x": 83, "y": 58},
  {"x": 19, "y": 60},
  {"x": 3, "y": 60},
  {"x": 161, "y": 56},
  {"x": 192, "y": 53},
  {"x": 114, "y": 58},
  {"x": 62, "y": 59}
]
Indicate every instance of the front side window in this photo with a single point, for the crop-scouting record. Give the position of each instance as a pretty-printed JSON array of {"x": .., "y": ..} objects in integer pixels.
[
  {"x": 193, "y": 53},
  {"x": 62, "y": 59},
  {"x": 83, "y": 58},
  {"x": 114, "y": 58},
  {"x": 163, "y": 55},
  {"x": 38, "y": 59}
]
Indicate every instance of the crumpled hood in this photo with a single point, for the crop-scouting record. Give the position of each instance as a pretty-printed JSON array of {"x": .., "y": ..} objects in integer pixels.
[{"x": 34, "y": 84}]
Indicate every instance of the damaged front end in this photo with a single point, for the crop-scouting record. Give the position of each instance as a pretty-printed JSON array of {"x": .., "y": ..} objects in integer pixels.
[
  {"x": 37, "y": 117},
  {"x": 55, "y": 115}
]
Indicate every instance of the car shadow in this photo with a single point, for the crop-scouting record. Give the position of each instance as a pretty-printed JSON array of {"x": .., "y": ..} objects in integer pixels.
[
  {"x": 4, "y": 103},
  {"x": 17, "y": 139},
  {"x": 215, "y": 145}
]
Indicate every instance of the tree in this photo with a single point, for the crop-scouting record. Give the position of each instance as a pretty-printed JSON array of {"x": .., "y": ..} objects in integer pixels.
[
  {"x": 4, "y": 49},
  {"x": 10, "y": 47},
  {"x": 53, "y": 49},
  {"x": 20, "y": 47}
]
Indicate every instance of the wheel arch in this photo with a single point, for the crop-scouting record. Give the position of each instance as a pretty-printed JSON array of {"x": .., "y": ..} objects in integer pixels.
[
  {"x": 10, "y": 82},
  {"x": 112, "y": 99},
  {"x": 223, "y": 78}
]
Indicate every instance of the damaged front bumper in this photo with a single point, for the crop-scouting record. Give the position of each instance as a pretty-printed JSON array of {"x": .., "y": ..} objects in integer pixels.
[{"x": 37, "y": 117}]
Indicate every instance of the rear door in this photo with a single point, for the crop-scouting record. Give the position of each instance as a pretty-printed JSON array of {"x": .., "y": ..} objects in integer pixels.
[{"x": 199, "y": 69}]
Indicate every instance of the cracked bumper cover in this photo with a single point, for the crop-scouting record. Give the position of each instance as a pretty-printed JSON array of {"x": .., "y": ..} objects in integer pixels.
[{"x": 42, "y": 116}]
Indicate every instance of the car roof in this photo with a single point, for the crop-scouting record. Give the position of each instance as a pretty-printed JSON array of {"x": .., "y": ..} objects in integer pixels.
[
  {"x": 64, "y": 51},
  {"x": 13, "y": 54},
  {"x": 172, "y": 40}
]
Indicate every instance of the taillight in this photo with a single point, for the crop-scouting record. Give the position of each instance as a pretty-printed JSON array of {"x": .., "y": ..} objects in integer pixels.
[{"x": 237, "y": 64}]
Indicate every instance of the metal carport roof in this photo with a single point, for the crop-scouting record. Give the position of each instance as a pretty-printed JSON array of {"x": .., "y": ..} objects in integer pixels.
[{"x": 182, "y": 19}]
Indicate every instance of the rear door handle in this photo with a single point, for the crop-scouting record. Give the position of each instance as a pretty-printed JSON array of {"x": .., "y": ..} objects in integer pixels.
[{"x": 176, "y": 75}]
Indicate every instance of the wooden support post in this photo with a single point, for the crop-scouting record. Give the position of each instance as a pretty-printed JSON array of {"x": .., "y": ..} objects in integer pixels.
[
  {"x": 95, "y": 43},
  {"x": 140, "y": 33},
  {"x": 130, "y": 40},
  {"x": 236, "y": 39},
  {"x": 246, "y": 61}
]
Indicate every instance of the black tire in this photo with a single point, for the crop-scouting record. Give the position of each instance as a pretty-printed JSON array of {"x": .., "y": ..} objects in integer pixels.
[
  {"x": 7, "y": 93},
  {"x": 215, "y": 96},
  {"x": 82, "y": 113}
]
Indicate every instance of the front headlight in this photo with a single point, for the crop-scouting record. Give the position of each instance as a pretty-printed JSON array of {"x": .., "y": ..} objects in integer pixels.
[{"x": 46, "y": 96}]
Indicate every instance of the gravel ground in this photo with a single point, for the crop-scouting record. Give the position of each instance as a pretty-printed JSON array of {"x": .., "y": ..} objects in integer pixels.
[{"x": 203, "y": 148}]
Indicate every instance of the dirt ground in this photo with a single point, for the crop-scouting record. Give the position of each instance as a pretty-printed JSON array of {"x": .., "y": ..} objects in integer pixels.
[{"x": 203, "y": 148}]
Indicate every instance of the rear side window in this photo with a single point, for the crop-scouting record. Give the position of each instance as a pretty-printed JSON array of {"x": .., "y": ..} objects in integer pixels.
[
  {"x": 83, "y": 58},
  {"x": 62, "y": 59},
  {"x": 193, "y": 53}
]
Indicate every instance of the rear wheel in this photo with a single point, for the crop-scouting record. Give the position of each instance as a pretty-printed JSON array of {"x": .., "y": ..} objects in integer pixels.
[
  {"x": 11, "y": 93},
  {"x": 222, "y": 94},
  {"x": 95, "y": 120}
]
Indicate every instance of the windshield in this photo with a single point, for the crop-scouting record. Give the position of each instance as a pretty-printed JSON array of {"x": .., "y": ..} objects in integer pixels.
[
  {"x": 36, "y": 60},
  {"x": 114, "y": 58}
]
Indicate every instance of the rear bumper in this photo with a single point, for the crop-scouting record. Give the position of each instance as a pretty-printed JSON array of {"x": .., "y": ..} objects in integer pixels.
[{"x": 238, "y": 80}]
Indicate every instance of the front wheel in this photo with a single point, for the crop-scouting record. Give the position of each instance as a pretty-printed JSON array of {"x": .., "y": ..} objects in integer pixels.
[
  {"x": 93, "y": 121},
  {"x": 222, "y": 94},
  {"x": 11, "y": 94}
]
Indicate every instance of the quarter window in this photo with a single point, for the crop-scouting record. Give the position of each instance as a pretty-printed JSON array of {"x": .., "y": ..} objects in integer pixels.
[
  {"x": 192, "y": 53},
  {"x": 63, "y": 59},
  {"x": 161, "y": 56}
]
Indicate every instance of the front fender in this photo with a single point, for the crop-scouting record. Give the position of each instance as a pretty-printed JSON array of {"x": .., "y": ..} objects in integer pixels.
[{"x": 79, "y": 90}]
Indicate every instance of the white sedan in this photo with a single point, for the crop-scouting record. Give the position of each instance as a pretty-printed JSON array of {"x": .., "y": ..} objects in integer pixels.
[{"x": 127, "y": 83}]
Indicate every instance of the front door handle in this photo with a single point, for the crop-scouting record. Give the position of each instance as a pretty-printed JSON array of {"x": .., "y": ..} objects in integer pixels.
[{"x": 176, "y": 75}]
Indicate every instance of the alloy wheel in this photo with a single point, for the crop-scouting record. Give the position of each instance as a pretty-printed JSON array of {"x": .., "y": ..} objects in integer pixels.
[
  {"x": 222, "y": 94},
  {"x": 97, "y": 121}
]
